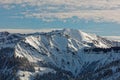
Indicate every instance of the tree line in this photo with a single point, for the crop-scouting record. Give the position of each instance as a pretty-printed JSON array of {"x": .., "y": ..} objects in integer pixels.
[{"x": 104, "y": 50}]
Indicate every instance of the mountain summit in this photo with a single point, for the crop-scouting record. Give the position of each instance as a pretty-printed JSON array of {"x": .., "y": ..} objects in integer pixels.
[{"x": 66, "y": 54}]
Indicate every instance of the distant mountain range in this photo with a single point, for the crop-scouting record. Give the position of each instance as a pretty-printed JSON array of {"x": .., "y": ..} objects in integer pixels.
[{"x": 66, "y": 54}]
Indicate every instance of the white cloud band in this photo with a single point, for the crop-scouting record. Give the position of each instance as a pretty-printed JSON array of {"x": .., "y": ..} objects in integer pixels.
[{"x": 97, "y": 10}]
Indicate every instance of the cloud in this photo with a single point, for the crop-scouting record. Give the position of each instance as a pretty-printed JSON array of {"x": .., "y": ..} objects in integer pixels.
[
  {"x": 49, "y": 10},
  {"x": 24, "y": 31},
  {"x": 97, "y": 4},
  {"x": 8, "y": 7},
  {"x": 115, "y": 38},
  {"x": 96, "y": 15}
]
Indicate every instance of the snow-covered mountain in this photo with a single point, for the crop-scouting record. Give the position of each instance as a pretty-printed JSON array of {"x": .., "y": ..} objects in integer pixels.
[{"x": 66, "y": 54}]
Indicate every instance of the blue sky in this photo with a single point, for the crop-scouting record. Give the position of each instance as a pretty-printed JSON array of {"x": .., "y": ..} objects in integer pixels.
[{"x": 101, "y": 17}]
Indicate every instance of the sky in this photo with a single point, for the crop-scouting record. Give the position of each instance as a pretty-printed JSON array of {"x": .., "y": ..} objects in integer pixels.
[{"x": 101, "y": 17}]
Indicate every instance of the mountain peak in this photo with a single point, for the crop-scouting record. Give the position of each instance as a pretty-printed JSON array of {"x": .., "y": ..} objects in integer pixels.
[{"x": 55, "y": 52}]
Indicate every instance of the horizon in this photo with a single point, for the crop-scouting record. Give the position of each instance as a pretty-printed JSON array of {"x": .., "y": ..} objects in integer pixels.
[
  {"x": 101, "y": 18},
  {"x": 27, "y": 31}
]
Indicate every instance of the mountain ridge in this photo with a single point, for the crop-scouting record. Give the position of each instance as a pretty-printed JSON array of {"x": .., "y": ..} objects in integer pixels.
[{"x": 58, "y": 51}]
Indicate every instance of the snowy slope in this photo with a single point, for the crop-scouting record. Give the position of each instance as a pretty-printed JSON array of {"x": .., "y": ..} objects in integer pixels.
[{"x": 63, "y": 50}]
